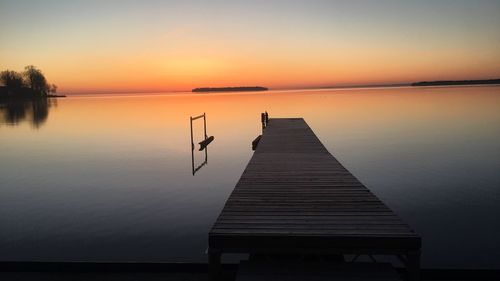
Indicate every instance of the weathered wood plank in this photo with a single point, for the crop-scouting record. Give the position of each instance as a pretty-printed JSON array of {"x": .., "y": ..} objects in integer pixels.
[{"x": 294, "y": 194}]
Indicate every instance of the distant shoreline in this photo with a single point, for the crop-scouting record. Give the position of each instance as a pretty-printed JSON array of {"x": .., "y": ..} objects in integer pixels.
[
  {"x": 229, "y": 89},
  {"x": 456, "y": 82},
  {"x": 343, "y": 87},
  {"x": 25, "y": 93}
]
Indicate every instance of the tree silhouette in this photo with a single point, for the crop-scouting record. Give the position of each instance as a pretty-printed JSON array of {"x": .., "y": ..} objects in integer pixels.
[
  {"x": 36, "y": 80},
  {"x": 30, "y": 83},
  {"x": 11, "y": 78}
]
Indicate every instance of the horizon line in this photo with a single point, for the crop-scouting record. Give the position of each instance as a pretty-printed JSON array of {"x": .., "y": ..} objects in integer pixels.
[
  {"x": 338, "y": 86},
  {"x": 270, "y": 89}
]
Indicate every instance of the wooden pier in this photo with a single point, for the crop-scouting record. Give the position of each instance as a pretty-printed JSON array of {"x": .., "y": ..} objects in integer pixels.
[{"x": 295, "y": 197}]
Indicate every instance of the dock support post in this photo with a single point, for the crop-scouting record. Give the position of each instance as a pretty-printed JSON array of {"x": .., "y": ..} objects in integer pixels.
[
  {"x": 413, "y": 265},
  {"x": 214, "y": 264}
]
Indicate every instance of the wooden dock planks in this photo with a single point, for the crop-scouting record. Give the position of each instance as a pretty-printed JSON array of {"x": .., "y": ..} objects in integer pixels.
[{"x": 294, "y": 196}]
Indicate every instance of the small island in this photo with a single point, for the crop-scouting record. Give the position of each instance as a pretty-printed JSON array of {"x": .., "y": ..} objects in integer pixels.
[
  {"x": 26, "y": 96},
  {"x": 230, "y": 89},
  {"x": 456, "y": 82},
  {"x": 29, "y": 84}
]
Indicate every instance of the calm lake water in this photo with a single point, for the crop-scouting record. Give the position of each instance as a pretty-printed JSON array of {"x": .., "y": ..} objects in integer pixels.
[{"x": 109, "y": 178}]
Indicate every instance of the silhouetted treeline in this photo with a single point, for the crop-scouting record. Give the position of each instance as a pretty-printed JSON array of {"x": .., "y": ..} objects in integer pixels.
[
  {"x": 457, "y": 82},
  {"x": 230, "y": 89},
  {"x": 23, "y": 96},
  {"x": 29, "y": 83}
]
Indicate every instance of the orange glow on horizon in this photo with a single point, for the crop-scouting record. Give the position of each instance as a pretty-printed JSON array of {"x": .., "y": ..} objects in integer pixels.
[
  {"x": 295, "y": 68},
  {"x": 183, "y": 74},
  {"x": 180, "y": 45}
]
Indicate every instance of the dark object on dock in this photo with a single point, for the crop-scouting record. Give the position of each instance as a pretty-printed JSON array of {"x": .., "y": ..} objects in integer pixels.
[
  {"x": 255, "y": 142},
  {"x": 457, "y": 82},
  {"x": 264, "y": 119},
  {"x": 230, "y": 89},
  {"x": 204, "y": 143},
  {"x": 295, "y": 197}
]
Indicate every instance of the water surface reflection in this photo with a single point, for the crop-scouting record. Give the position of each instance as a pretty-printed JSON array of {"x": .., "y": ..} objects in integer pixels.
[
  {"x": 110, "y": 177},
  {"x": 33, "y": 110}
]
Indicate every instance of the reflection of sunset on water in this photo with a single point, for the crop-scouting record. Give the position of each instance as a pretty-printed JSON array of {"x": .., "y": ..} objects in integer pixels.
[{"x": 411, "y": 146}]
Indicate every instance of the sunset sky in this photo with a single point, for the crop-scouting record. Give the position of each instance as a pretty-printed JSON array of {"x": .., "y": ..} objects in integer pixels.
[{"x": 97, "y": 46}]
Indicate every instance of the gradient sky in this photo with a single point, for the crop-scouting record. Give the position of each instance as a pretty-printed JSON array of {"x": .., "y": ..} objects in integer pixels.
[{"x": 98, "y": 46}]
